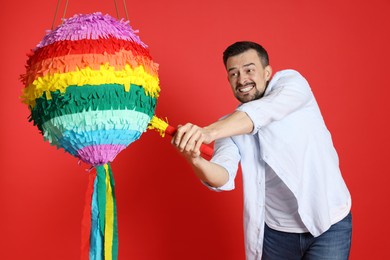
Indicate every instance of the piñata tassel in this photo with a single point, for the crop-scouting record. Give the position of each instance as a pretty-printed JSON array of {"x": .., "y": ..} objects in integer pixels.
[
  {"x": 87, "y": 218},
  {"x": 103, "y": 234},
  {"x": 163, "y": 128}
]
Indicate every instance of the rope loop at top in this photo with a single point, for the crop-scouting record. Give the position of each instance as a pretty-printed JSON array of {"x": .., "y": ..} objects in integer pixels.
[{"x": 66, "y": 6}]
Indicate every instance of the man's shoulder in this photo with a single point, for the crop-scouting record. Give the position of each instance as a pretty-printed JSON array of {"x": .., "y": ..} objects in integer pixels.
[
  {"x": 287, "y": 77},
  {"x": 287, "y": 73}
]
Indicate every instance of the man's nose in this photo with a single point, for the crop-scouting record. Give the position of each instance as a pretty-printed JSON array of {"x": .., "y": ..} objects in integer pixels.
[{"x": 242, "y": 79}]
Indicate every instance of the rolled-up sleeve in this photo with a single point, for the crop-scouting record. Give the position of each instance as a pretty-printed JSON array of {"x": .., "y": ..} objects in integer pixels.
[{"x": 227, "y": 156}]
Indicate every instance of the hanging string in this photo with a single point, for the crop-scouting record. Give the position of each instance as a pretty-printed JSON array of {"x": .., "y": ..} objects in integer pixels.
[
  {"x": 116, "y": 8},
  {"x": 124, "y": 5},
  {"x": 55, "y": 14},
  {"x": 66, "y": 6}
]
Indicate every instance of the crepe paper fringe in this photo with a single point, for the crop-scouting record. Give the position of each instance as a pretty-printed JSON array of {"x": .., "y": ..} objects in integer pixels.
[
  {"x": 73, "y": 132},
  {"x": 97, "y": 120},
  {"x": 100, "y": 233},
  {"x": 86, "y": 46},
  {"x": 87, "y": 76},
  {"x": 97, "y": 149},
  {"x": 91, "y": 98},
  {"x": 72, "y": 141},
  {"x": 99, "y": 154},
  {"x": 69, "y": 63},
  {"x": 159, "y": 125},
  {"x": 91, "y": 26},
  {"x": 64, "y": 56}
]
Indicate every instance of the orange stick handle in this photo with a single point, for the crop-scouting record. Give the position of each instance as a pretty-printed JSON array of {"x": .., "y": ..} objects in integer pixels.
[{"x": 205, "y": 149}]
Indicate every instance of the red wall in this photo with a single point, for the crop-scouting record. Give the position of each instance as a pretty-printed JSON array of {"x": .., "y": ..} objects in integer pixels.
[{"x": 342, "y": 47}]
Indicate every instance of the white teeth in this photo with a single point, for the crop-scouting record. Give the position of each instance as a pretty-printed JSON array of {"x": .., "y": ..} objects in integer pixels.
[{"x": 245, "y": 89}]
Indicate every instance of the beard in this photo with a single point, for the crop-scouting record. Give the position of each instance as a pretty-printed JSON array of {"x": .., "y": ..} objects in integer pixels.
[{"x": 249, "y": 96}]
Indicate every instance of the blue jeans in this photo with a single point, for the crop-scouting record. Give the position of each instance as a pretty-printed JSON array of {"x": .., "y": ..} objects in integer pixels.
[{"x": 334, "y": 244}]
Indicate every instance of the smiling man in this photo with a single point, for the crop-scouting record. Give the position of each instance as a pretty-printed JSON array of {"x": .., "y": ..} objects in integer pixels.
[
  {"x": 296, "y": 203},
  {"x": 248, "y": 75}
]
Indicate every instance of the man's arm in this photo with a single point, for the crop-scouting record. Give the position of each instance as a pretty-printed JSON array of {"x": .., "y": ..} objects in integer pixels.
[
  {"x": 208, "y": 172},
  {"x": 189, "y": 137}
]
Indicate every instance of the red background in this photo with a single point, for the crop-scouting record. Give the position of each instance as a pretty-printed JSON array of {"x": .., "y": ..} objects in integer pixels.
[{"x": 342, "y": 47}]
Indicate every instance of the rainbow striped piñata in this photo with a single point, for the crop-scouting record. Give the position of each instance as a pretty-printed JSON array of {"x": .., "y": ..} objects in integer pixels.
[{"x": 92, "y": 88}]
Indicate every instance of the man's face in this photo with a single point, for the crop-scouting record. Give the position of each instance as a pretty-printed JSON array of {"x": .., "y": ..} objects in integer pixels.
[{"x": 247, "y": 76}]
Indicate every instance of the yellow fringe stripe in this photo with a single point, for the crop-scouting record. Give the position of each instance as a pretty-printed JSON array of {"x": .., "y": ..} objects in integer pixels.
[
  {"x": 87, "y": 76},
  {"x": 159, "y": 125},
  {"x": 109, "y": 225}
]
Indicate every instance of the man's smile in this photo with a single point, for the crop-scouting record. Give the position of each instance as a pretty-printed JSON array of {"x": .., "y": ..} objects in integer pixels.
[{"x": 246, "y": 88}]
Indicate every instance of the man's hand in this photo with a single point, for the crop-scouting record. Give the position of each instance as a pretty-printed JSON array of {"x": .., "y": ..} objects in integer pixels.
[{"x": 189, "y": 138}]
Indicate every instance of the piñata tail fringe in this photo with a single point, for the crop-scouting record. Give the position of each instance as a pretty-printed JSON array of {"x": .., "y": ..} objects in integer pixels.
[{"x": 100, "y": 226}]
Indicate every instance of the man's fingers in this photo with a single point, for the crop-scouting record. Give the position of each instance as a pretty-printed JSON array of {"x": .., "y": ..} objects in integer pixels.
[
  {"x": 188, "y": 138},
  {"x": 177, "y": 139},
  {"x": 181, "y": 137},
  {"x": 199, "y": 142}
]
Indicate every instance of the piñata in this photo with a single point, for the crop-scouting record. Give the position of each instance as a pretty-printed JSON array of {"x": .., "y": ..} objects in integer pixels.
[{"x": 92, "y": 87}]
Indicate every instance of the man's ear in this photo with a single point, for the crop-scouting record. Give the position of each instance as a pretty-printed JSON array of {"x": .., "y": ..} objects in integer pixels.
[{"x": 268, "y": 72}]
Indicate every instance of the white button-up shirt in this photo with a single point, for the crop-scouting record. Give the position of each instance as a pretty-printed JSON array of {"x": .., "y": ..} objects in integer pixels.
[{"x": 291, "y": 137}]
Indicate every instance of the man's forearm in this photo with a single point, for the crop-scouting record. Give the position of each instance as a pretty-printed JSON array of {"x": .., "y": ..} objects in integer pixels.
[
  {"x": 211, "y": 173},
  {"x": 237, "y": 123}
]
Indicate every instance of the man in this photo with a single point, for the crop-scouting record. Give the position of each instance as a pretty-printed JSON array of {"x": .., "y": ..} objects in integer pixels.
[{"x": 296, "y": 204}]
